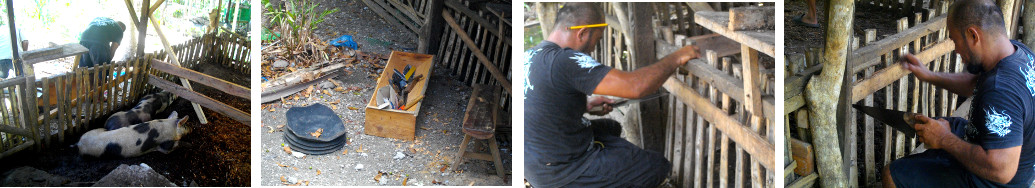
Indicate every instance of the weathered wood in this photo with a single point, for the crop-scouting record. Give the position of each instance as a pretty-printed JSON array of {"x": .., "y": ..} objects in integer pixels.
[
  {"x": 203, "y": 100},
  {"x": 763, "y": 41},
  {"x": 807, "y": 181},
  {"x": 700, "y": 6},
  {"x": 888, "y": 75},
  {"x": 1029, "y": 22},
  {"x": 478, "y": 52},
  {"x": 46, "y": 54},
  {"x": 759, "y": 148},
  {"x": 752, "y": 18},
  {"x": 431, "y": 32},
  {"x": 384, "y": 15},
  {"x": 221, "y": 85},
  {"x": 546, "y": 12},
  {"x": 870, "y": 55},
  {"x": 183, "y": 81},
  {"x": 642, "y": 46},
  {"x": 482, "y": 22},
  {"x": 824, "y": 90}
]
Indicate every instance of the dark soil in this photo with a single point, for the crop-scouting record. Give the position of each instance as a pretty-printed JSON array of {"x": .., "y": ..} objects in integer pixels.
[
  {"x": 216, "y": 154},
  {"x": 798, "y": 38}
]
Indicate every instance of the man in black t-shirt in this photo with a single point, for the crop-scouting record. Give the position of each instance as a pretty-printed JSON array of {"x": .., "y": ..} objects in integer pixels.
[
  {"x": 563, "y": 149},
  {"x": 995, "y": 148},
  {"x": 102, "y": 38}
]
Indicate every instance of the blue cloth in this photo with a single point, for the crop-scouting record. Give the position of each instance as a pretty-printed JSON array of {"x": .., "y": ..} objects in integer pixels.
[
  {"x": 1002, "y": 115},
  {"x": 344, "y": 41}
]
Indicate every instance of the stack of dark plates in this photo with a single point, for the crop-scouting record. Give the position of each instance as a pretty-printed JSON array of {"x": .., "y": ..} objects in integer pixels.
[{"x": 303, "y": 122}]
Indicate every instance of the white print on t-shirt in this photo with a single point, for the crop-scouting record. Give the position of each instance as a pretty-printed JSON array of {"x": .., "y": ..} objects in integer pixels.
[
  {"x": 998, "y": 123},
  {"x": 528, "y": 64},
  {"x": 585, "y": 61},
  {"x": 1029, "y": 75}
]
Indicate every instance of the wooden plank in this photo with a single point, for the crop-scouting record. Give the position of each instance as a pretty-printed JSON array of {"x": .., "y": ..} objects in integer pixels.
[
  {"x": 763, "y": 41},
  {"x": 186, "y": 84},
  {"x": 457, "y": 6},
  {"x": 888, "y": 75},
  {"x": 210, "y": 103},
  {"x": 724, "y": 83},
  {"x": 221, "y": 85},
  {"x": 431, "y": 32},
  {"x": 759, "y": 148},
  {"x": 45, "y": 54},
  {"x": 752, "y": 18},
  {"x": 700, "y": 6},
  {"x": 478, "y": 53},
  {"x": 384, "y": 15},
  {"x": 870, "y": 55},
  {"x": 807, "y": 181},
  {"x": 413, "y": 27}
]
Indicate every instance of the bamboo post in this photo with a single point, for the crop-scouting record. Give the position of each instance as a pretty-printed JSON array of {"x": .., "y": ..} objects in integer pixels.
[
  {"x": 1029, "y": 22},
  {"x": 546, "y": 12},
  {"x": 431, "y": 32},
  {"x": 824, "y": 90},
  {"x": 650, "y": 114}
]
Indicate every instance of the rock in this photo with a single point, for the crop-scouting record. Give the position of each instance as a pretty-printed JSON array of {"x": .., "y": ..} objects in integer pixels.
[
  {"x": 359, "y": 166},
  {"x": 280, "y": 63},
  {"x": 399, "y": 155},
  {"x": 292, "y": 180},
  {"x": 297, "y": 154},
  {"x": 30, "y": 177},
  {"x": 326, "y": 85},
  {"x": 363, "y": 154},
  {"x": 134, "y": 176}
]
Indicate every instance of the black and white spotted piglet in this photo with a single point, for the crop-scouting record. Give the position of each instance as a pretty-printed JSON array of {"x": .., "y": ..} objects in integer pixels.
[
  {"x": 161, "y": 134},
  {"x": 147, "y": 107}
]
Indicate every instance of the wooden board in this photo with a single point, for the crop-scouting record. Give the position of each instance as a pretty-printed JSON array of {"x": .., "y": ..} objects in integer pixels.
[
  {"x": 202, "y": 100},
  {"x": 752, "y": 18},
  {"x": 197, "y": 77},
  {"x": 46, "y": 54},
  {"x": 764, "y": 41},
  {"x": 391, "y": 123}
]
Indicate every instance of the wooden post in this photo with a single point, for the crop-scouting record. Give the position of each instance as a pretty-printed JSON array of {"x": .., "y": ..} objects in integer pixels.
[
  {"x": 1029, "y": 22},
  {"x": 176, "y": 61},
  {"x": 1008, "y": 14},
  {"x": 142, "y": 26},
  {"x": 642, "y": 37},
  {"x": 431, "y": 32},
  {"x": 824, "y": 90},
  {"x": 546, "y": 12}
]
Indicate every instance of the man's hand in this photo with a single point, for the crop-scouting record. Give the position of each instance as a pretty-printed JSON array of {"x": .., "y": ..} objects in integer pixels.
[
  {"x": 932, "y": 132},
  {"x": 909, "y": 62},
  {"x": 603, "y": 102},
  {"x": 684, "y": 54}
]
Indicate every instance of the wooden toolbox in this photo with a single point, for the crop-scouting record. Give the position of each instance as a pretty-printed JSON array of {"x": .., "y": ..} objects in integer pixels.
[{"x": 393, "y": 123}]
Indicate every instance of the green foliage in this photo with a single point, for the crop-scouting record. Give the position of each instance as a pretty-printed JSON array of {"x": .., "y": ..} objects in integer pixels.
[{"x": 295, "y": 21}]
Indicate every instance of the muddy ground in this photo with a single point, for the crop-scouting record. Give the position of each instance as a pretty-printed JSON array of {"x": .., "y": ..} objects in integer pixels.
[
  {"x": 216, "y": 154},
  {"x": 438, "y": 132}
]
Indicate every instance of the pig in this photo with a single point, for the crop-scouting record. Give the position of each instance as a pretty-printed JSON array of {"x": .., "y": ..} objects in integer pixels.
[
  {"x": 161, "y": 134},
  {"x": 145, "y": 109}
]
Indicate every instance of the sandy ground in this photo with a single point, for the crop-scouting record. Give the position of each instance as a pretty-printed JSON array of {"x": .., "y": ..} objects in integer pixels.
[{"x": 438, "y": 132}]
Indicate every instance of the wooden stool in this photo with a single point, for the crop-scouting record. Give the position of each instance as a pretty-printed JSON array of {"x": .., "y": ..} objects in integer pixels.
[{"x": 480, "y": 123}]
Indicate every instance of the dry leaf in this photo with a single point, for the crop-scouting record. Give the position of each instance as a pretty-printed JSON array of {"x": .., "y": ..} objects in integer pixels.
[
  {"x": 283, "y": 179},
  {"x": 318, "y": 172},
  {"x": 287, "y": 149},
  {"x": 377, "y": 178},
  {"x": 281, "y": 165},
  {"x": 317, "y": 133},
  {"x": 344, "y": 151},
  {"x": 273, "y": 109},
  {"x": 360, "y": 149},
  {"x": 353, "y": 108},
  {"x": 404, "y": 181},
  {"x": 333, "y": 107},
  {"x": 443, "y": 169},
  {"x": 425, "y": 128}
]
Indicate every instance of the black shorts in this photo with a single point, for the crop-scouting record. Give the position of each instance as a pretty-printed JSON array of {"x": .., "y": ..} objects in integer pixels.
[
  {"x": 619, "y": 163},
  {"x": 937, "y": 168}
]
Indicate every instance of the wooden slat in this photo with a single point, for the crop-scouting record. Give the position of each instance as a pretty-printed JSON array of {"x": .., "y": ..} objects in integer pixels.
[
  {"x": 759, "y": 148},
  {"x": 478, "y": 53},
  {"x": 210, "y": 103},
  {"x": 870, "y": 55},
  {"x": 886, "y": 76},
  {"x": 752, "y": 18},
  {"x": 763, "y": 41},
  {"x": 197, "y": 77},
  {"x": 457, "y": 6},
  {"x": 724, "y": 83},
  {"x": 46, "y": 54}
]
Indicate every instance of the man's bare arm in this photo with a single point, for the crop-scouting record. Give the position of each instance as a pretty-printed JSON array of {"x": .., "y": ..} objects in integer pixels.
[
  {"x": 998, "y": 165},
  {"x": 646, "y": 80},
  {"x": 958, "y": 83}
]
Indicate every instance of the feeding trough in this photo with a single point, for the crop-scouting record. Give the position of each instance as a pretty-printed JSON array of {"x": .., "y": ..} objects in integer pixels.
[{"x": 314, "y": 130}]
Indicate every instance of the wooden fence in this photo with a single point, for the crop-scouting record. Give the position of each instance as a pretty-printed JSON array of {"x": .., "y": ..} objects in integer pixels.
[
  {"x": 710, "y": 133},
  {"x": 69, "y": 101},
  {"x": 476, "y": 47},
  {"x": 873, "y": 79}
]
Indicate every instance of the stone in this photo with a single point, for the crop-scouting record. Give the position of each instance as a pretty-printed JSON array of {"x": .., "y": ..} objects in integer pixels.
[
  {"x": 31, "y": 177},
  {"x": 280, "y": 63},
  {"x": 133, "y": 176}
]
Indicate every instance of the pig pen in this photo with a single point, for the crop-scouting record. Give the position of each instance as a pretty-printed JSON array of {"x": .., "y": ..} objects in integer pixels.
[{"x": 213, "y": 154}]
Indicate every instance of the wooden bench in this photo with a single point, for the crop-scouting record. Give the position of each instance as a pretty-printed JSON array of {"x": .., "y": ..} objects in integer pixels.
[{"x": 480, "y": 122}]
